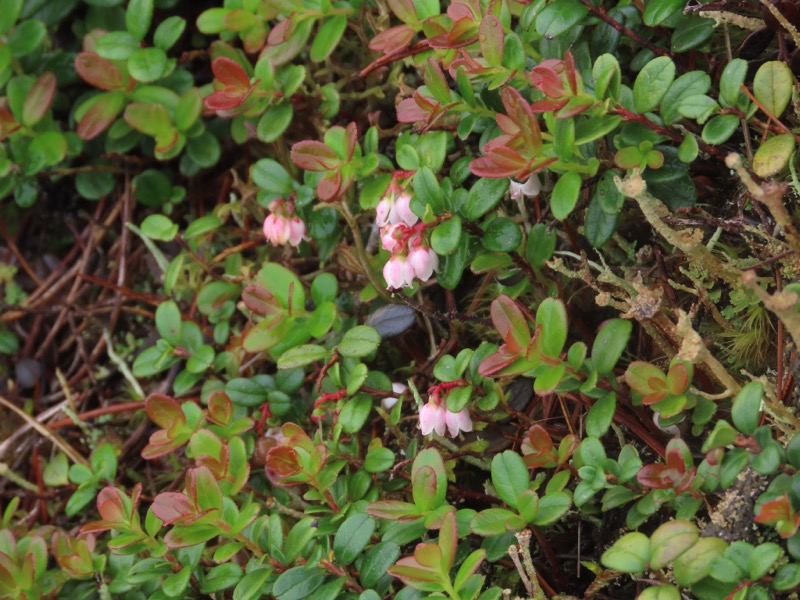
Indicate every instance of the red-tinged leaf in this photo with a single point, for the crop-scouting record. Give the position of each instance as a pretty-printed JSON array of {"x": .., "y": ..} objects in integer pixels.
[
  {"x": 166, "y": 141},
  {"x": 226, "y": 99},
  {"x": 293, "y": 431},
  {"x": 679, "y": 457},
  {"x": 462, "y": 33},
  {"x": 96, "y": 527},
  {"x": 111, "y": 507},
  {"x": 657, "y": 384},
  {"x": 774, "y": 510},
  {"x": 575, "y": 106},
  {"x": 393, "y": 39},
  {"x": 520, "y": 112},
  {"x": 280, "y": 33},
  {"x": 220, "y": 408},
  {"x": 780, "y": 514},
  {"x": 510, "y": 323},
  {"x": 161, "y": 444},
  {"x": 182, "y": 537},
  {"x": 393, "y": 510},
  {"x": 331, "y": 187},
  {"x": 172, "y": 507},
  {"x": 653, "y": 397},
  {"x": 102, "y": 112},
  {"x": 571, "y": 72},
  {"x": 239, "y": 20},
  {"x": 100, "y": 72},
  {"x": 261, "y": 301},
  {"x": 549, "y": 105},
  {"x": 351, "y": 140},
  {"x": 311, "y": 155},
  {"x": 653, "y": 477},
  {"x": 230, "y": 73},
  {"x": 254, "y": 38},
  {"x": 163, "y": 410},
  {"x": 495, "y": 363},
  {"x": 136, "y": 494},
  {"x": 404, "y": 10},
  {"x": 547, "y": 81},
  {"x": 436, "y": 81},
  {"x": 678, "y": 378},
  {"x": 429, "y": 555},
  {"x": 538, "y": 449},
  {"x": 39, "y": 99},
  {"x": 412, "y": 574},
  {"x": 283, "y": 460},
  {"x": 639, "y": 375},
  {"x": 492, "y": 40},
  {"x": 150, "y": 119},
  {"x": 459, "y": 10},
  {"x": 485, "y": 167},
  {"x": 415, "y": 109},
  {"x": 7, "y": 123},
  {"x": 448, "y": 540},
  {"x": 203, "y": 489}
]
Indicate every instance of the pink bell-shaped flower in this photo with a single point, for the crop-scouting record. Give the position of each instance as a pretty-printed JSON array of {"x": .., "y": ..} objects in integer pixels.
[
  {"x": 459, "y": 421},
  {"x": 282, "y": 227},
  {"x": 403, "y": 210},
  {"x": 432, "y": 417},
  {"x": 398, "y": 272},
  {"x": 424, "y": 261}
]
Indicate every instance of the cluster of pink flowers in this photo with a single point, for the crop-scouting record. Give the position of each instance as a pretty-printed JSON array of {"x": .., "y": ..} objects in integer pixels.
[
  {"x": 282, "y": 226},
  {"x": 401, "y": 234},
  {"x": 434, "y": 416}
]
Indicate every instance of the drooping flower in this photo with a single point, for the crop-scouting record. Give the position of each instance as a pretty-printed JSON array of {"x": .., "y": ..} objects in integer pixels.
[
  {"x": 399, "y": 389},
  {"x": 424, "y": 261},
  {"x": 282, "y": 226},
  {"x": 398, "y": 272},
  {"x": 529, "y": 189},
  {"x": 432, "y": 417},
  {"x": 393, "y": 209},
  {"x": 459, "y": 421},
  {"x": 390, "y": 236}
]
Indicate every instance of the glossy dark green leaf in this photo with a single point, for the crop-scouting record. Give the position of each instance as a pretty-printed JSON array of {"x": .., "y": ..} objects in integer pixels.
[
  {"x": 565, "y": 193},
  {"x": 652, "y": 83},
  {"x": 610, "y": 343},
  {"x": 352, "y": 537},
  {"x": 298, "y": 583},
  {"x": 274, "y": 122},
  {"x": 692, "y": 32},
  {"x": 540, "y": 245},
  {"x": 557, "y": 18},
  {"x": 138, "y": 17},
  {"x": 502, "y": 235},
  {"x": 446, "y": 236},
  {"x": 599, "y": 225},
  {"x": 483, "y": 196},
  {"x": 509, "y": 476},
  {"x": 719, "y": 129},
  {"x": 746, "y": 410},
  {"x": 657, "y": 11}
]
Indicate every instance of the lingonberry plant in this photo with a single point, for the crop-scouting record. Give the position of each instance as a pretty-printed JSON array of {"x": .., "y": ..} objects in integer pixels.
[{"x": 468, "y": 299}]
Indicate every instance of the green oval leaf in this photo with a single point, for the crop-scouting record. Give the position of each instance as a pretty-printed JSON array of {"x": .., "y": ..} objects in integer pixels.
[
  {"x": 630, "y": 554},
  {"x": 746, "y": 410},
  {"x": 565, "y": 194},
  {"x": 652, "y": 83},
  {"x": 352, "y": 537},
  {"x": 359, "y": 341},
  {"x": 772, "y": 87}
]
